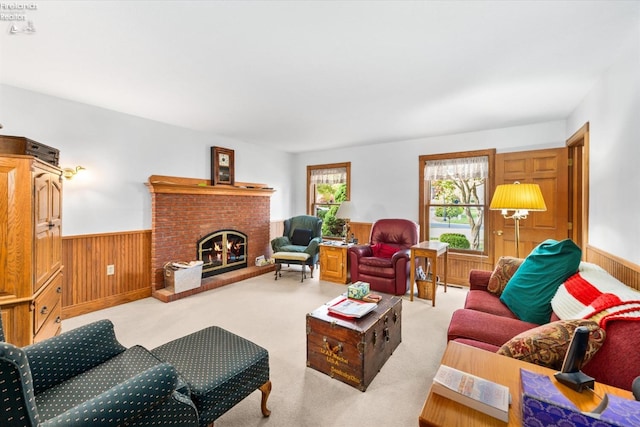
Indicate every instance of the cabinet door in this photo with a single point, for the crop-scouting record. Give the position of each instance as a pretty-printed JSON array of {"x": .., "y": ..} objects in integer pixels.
[
  {"x": 55, "y": 218},
  {"x": 15, "y": 228},
  {"x": 48, "y": 226},
  {"x": 333, "y": 264}
]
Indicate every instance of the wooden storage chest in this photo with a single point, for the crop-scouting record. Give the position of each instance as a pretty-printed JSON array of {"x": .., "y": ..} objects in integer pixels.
[{"x": 354, "y": 350}]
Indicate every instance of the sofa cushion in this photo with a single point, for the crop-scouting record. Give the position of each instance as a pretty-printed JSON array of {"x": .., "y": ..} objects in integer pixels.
[
  {"x": 381, "y": 267},
  {"x": 505, "y": 269},
  {"x": 301, "y": 237},
  {"x": 478, "y": 344},
  {"x": 487, "y": 302},
  {"x": 529, "y": 292},
  {"x": 547, "y": 345},
  {"x": 485, "y": 327}
]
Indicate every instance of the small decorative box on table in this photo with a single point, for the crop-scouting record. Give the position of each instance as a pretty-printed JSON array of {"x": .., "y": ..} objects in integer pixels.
[
  {"x": 354, "y": 350},
  {"x": 358, "y": 290}
]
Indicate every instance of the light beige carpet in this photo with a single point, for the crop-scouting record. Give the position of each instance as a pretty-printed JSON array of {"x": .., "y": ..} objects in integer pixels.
[{"x": 272, "y": 314}]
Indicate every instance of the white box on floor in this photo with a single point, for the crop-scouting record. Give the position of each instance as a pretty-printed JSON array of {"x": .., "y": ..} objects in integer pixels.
[{"x": 182, "y": 276}]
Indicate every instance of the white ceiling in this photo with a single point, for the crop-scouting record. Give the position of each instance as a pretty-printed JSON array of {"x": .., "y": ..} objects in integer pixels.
[{"x": 309, "y": 75}]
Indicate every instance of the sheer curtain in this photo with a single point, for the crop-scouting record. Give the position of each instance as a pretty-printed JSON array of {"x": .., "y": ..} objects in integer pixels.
[
  {"x": 462, "y": 168},
  {"x": 329, "y": 176}
]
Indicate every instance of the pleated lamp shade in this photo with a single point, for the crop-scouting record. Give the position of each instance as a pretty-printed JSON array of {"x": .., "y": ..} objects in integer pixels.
[{"x": 518, "y": 196}]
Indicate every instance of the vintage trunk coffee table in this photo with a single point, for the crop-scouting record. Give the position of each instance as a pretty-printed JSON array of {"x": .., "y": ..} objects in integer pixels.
[{"x": 354, "y": 350}]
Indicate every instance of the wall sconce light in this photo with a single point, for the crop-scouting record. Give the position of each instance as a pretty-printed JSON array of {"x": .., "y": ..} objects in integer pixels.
[
  {"x": 520, "y": 198},
  {"x": 69, "y": 173}
]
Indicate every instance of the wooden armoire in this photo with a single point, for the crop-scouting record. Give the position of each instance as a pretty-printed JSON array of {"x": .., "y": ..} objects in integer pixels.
[{"x": 30, "y": 248}]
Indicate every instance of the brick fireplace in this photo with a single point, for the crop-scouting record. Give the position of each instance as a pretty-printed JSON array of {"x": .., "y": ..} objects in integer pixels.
[{"x": 185, "y": 210}]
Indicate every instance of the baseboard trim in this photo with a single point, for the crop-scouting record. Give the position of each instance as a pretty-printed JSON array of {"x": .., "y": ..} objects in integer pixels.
[{"x": 88, "y": 307}]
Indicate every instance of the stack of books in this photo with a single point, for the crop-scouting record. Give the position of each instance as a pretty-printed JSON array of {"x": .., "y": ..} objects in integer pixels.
[{"x": 351, "y": 308}]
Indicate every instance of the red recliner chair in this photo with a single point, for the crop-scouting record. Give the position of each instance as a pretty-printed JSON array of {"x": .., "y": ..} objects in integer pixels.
[{"x": 384, "y": 262}]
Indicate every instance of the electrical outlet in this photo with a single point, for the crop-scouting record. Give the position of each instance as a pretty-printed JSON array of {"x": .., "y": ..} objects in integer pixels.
[{"x": 111, "y": 270}]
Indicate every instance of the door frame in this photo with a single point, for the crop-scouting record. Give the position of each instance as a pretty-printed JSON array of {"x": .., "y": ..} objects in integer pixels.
[{"x": 578, "y": 145}]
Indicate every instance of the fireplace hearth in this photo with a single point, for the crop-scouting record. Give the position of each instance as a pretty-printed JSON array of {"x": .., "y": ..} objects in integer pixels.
[{"x": 222, "y": 251}]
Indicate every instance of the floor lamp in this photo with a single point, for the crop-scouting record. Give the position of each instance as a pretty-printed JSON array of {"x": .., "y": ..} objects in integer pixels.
[{"x": 520, "y": 198}]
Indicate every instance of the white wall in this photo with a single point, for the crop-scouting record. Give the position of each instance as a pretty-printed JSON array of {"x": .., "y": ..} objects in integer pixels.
[
  {"x": 121, "y": 151},
  {"x": 612, "y": 109},
  {"x": 384, "y": 177}
]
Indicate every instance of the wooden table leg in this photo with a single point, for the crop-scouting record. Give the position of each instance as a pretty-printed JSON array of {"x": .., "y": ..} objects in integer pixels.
[
  {"x": 434, "y": 281},
  {"x": 412, "y": 273},
  {"x": 446, "y": 267}
]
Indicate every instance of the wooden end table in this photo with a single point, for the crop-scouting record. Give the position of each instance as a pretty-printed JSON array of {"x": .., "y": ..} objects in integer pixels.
[
  {"x": 430, "y": 250},
  {"x": 334, "y": 263},
  {"x": 440, "y": 411}
]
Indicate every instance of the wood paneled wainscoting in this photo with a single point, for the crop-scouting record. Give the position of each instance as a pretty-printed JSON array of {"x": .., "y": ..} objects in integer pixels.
[{"x": 86, "y": 285}]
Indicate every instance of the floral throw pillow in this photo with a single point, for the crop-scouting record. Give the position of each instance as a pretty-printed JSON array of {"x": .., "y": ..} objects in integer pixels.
[
  {"x": 505, "y": 268},
  {"x": 547, "y": 345}
]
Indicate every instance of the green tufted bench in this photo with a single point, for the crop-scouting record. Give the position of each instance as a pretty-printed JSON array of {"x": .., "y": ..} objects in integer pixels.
[
  {"x": 221, "y": 369},
  {"x": 296, "y": 258}
]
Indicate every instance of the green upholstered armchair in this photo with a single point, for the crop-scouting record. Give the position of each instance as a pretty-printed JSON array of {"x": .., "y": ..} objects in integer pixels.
[
  {"x": 86, "y": 377},
  {"x": 301, "y": 233}
]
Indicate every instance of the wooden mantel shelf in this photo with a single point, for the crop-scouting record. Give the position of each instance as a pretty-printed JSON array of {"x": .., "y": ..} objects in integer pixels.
[{"x": 178, "y": 185}]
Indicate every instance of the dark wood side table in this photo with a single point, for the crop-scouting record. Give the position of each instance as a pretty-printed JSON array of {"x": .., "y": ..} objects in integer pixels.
[{"x": 430, "y": 250}]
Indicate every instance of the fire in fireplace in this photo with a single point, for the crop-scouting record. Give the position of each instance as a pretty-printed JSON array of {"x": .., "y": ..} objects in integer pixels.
[{"x": 222, "y": 251}]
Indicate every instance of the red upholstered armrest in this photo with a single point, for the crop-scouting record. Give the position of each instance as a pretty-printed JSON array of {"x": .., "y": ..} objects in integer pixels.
[
  {"x": 402, "y": 253},
  {"x": 617, "y": 363},
  {"x": 479, "y": 279}
]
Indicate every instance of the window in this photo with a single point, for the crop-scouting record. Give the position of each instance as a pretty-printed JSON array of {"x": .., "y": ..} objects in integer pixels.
[
  {"x": 454, "y": 204},
  {"x": 328, "y": 186}
]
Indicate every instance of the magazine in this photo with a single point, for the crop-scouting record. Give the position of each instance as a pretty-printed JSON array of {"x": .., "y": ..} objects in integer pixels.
[
  {"x": 478, "y": 393},
  {"x": 351, "y": 308}
]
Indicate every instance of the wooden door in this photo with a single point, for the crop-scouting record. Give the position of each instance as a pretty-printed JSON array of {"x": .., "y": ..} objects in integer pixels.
[{"x": 548, "y": 169}]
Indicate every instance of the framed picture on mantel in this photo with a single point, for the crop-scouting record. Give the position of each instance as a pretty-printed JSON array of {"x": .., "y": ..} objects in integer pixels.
[{"x": 222, "y": 163}]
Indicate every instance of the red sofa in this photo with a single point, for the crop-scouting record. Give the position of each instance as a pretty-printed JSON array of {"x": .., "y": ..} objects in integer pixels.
[{"x": 487, "y": 323}]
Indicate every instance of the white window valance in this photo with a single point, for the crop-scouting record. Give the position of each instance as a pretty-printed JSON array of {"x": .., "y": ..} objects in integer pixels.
[
  {"x": 329, "y": 176},
  {"x": 462, "y": 168}
]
